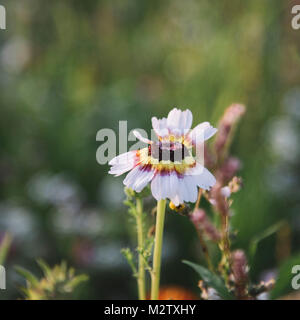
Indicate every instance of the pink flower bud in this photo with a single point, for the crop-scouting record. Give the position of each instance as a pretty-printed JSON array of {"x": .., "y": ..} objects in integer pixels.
[
  {"x": 218, "y": 199},
  {"x": 240, "y": 272},
  {"x": 231, "y": 115},
  {"x": 229, "y": 169},
  {"x": 198, "y": 216},
  {"x": 202, "y": 223}
]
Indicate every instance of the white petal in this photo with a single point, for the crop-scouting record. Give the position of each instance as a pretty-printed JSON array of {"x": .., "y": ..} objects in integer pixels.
[
  {"x": 123, "y": 163},
  {"x": 203, "y": 178},
  {"x": 173, "y": 120},
  {"x": 164, "y": 186},
  {"x": 187, "y": 191},
  {"x": 144, "y": 180},
  {"x": 179, "y": 122},
  {"x": 123, "y": 158},
  {"x": 202, "y": 132},
  {"x": 118, "y": 170},
  {"x": 160, "y": 126},
  {"x": 140, "y": 137},
  {"x": 138, "y": 178},
  {"x": 177, "y": 200}
]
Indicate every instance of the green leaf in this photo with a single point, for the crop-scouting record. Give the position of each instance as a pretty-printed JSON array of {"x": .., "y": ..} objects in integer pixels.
[
  {"x": 76, "y": 281},
  {"x": 258, "y": 238},
  {"x": 43, "y": 265},
  {"x": 283, "y": 284},
  {"x": 211, "y": 280},
  {"x": 130, "y": 259},
  {"x": 27, "y": 275}
]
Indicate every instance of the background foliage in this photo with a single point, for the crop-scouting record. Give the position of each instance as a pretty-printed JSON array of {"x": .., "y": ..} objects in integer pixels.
[{"x": 70, "y": 68}]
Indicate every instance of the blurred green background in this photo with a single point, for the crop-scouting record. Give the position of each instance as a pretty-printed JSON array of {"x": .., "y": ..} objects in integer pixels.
[{"x": 70, "y": 68}]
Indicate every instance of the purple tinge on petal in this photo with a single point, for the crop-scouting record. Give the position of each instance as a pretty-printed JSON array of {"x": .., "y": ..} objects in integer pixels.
[
  {"x": 138, "y": 178},
  {"x": 181, "y": 188}
]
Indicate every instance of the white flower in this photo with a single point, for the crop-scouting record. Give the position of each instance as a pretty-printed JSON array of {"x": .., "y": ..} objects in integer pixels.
[{"x": 168, "y": 163}]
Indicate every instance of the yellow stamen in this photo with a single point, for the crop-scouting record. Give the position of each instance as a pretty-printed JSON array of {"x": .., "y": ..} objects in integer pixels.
[{"x": 179, "y": 208}]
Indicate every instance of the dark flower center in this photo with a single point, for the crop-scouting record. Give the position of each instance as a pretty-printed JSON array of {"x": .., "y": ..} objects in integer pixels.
[{"x": 168, "y": 151}]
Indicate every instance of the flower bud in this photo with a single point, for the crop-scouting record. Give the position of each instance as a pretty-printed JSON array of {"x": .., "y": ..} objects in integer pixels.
[
  {"x": 198, "y": 216},
  {"x": 218, "y": 199},
  {"x": 231, "y": 115},
  {"x": 229, "y": 169},
  {"x": 240, "y": 272},
  {"x": 202, "y": 222}
]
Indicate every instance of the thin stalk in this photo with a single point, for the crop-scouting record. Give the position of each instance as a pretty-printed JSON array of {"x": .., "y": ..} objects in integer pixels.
[
  {"x": 225, "y": 247},
  {"x": 225, "y": 234},
  {"x": 155, "y": 277},
  {"x": 201, "y": 240},
  {"x": 140, "y": 235},
  {"x": 205, "y": 251},
  {"x": 198, "y": 199}
]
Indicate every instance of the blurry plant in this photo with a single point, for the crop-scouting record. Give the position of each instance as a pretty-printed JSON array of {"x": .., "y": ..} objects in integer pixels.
[
  {"x": 57, "y": 283},
  {"x": 4, "y": 247},
  {"x": 285, "y": 277},
  {"x": 265, "y": 234},
  {"x": 144, "y": 246},
  {"x": 230, "y": 280}
]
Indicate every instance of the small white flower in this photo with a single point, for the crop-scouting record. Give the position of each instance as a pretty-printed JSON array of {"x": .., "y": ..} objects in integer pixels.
[{"x": 168, "y": 163}]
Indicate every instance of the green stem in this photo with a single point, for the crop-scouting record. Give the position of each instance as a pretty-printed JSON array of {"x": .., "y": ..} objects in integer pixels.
[
  {"x": 159, "y": 229},
  {"x": 205, "y": 251},
  {"x": 225, "y": 247},
  {"x": 140, "y": 234}
]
